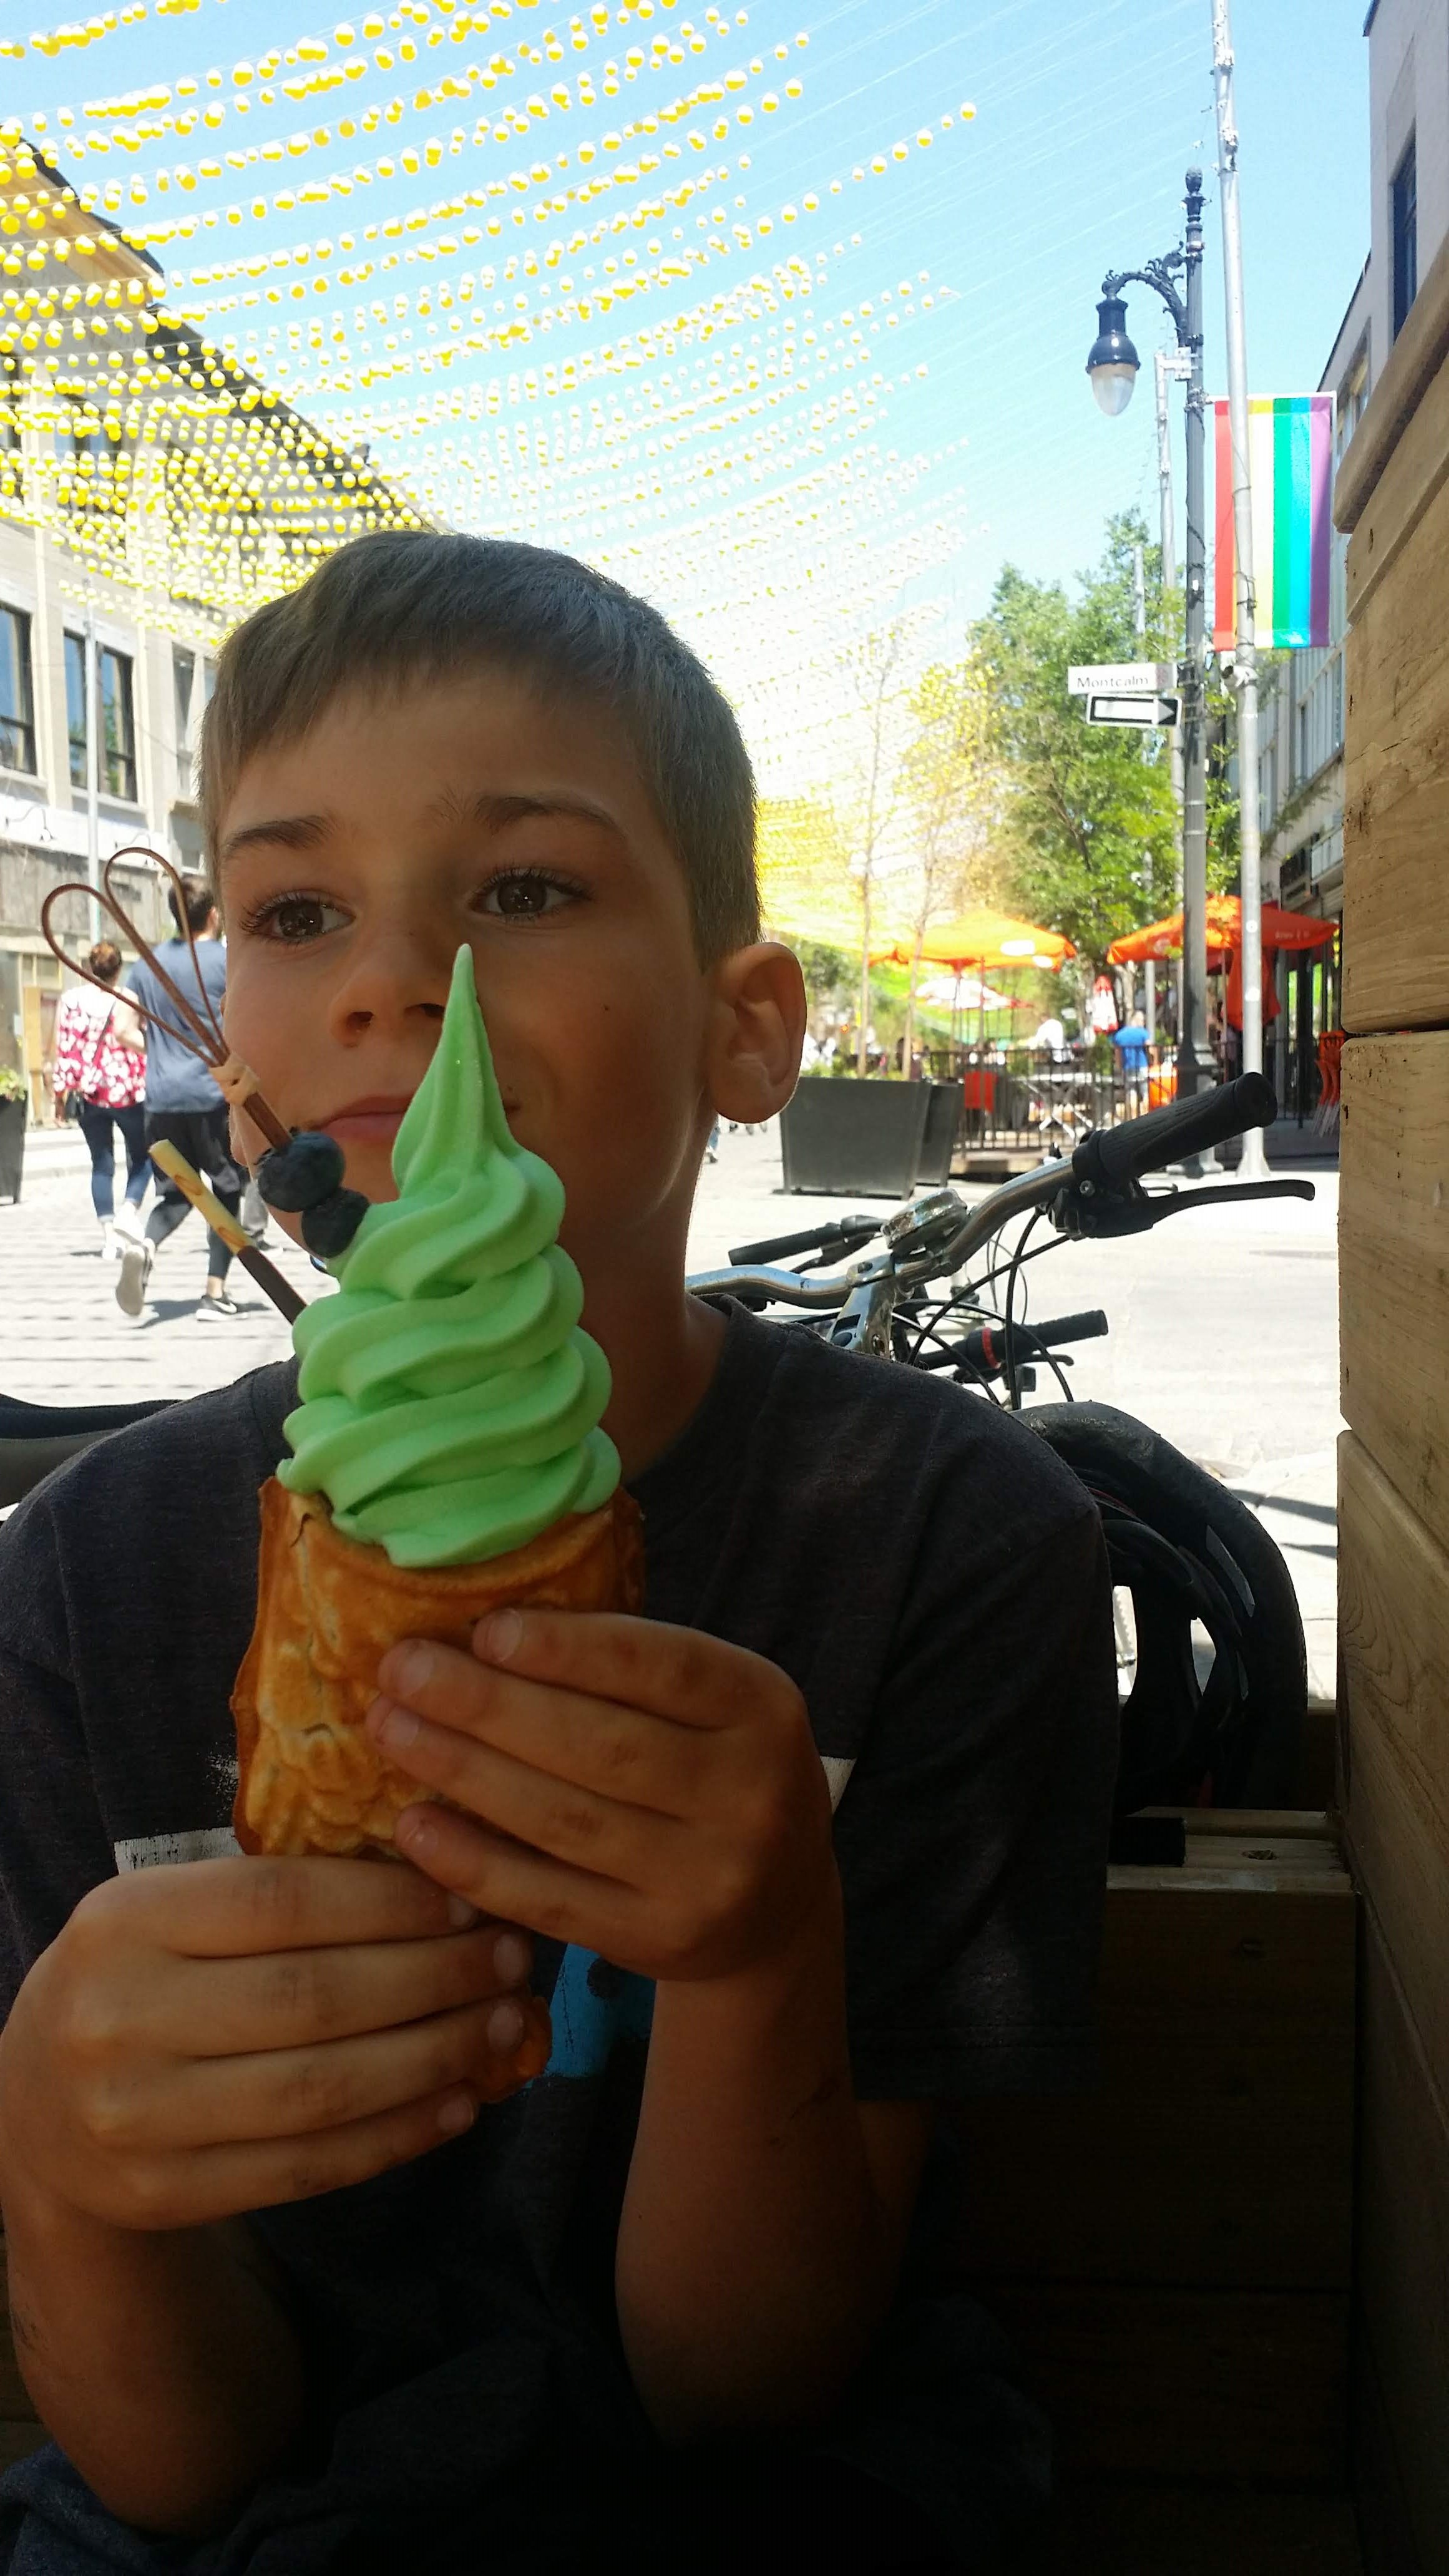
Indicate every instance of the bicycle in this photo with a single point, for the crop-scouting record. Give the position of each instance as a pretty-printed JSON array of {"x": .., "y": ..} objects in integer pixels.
[
  {"x": 1218, "y": 1668},
  {"x": 1182, "y": 1549}
]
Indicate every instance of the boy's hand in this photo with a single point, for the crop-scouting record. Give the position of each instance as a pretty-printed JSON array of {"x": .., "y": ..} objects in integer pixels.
[
  {"x": 223, "y": 2035},
  {"x": 649, "y": 1792}
]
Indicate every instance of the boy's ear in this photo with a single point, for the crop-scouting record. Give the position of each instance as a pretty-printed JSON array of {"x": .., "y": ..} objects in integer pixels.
[{"x": 756, "y": 1031}]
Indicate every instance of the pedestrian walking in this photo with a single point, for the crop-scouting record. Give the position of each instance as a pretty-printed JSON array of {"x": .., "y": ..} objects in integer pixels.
[
  {"x": 183, "y": 1104},
  {"x": 100, "y": 1080},
  {"x": 1132, "y": 1044}
]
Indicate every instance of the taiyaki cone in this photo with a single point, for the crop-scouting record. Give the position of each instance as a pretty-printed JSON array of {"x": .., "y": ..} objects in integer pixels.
[{"x": 311, "y": 1778}]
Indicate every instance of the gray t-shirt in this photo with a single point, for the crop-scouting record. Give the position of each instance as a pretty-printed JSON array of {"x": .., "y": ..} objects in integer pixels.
[
  {"x": 935, "y": 1582},
  {"x": 175, "y": 1076}
]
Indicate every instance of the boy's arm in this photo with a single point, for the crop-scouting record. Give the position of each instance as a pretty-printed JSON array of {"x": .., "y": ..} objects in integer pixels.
[
  {"x": 766, "y": 2210},
  {"x": 201, "y": 2040},
  {"x": 654, "y": 1794},
  {"x": 162, "y": 2363}
]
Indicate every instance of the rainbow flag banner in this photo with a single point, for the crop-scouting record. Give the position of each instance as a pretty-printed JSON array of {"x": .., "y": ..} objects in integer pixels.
[{"x": 1290, "y": 451}]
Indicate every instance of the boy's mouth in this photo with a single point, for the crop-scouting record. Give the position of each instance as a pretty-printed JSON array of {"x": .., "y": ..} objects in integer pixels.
[{"x": 373, "y": 1121}]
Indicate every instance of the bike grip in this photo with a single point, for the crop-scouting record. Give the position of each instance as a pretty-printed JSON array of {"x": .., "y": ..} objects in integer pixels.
[
  {"x": 817, "y": 1239},
  {"x": 1058, "y": 1330},
  {"x": 1113, "y": 1156}
]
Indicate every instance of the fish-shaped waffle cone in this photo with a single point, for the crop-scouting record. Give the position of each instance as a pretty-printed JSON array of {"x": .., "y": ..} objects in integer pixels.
[{"x": 311, "y": 1778}]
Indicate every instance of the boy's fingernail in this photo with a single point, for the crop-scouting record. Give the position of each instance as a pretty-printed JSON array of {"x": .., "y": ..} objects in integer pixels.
[
  {"x": 395, "y": 1726},
  {"x": 415, "y": 1831},
  {"x": 512, "y": 1958},
  {"x": 413, "y": 1666},
  {"x": 499, "y": 1638},
  {"x": 463, "y": 1916},
  {"x": 505, "y": 2028},
  {"x": 457, "y": 2114}
]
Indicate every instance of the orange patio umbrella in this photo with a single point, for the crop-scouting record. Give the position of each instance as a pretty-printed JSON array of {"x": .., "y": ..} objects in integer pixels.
[
  {"x": 986, "y": 940},
  {"x": 1224, "y": 932}
]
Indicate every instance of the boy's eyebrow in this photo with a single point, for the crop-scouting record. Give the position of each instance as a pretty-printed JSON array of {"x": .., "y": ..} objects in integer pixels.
[
  {"x": 497, "y": 812},
  {"x": 283, "y": 831}
]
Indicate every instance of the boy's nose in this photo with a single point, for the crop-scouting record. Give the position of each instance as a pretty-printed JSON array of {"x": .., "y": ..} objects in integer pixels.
[{"x": 394, "y": 977}]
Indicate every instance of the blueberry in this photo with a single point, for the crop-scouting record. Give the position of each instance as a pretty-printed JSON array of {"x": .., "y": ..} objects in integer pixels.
[
  {"x": 302, "y": 1173},
  {"x": 329, "y": 1227}
]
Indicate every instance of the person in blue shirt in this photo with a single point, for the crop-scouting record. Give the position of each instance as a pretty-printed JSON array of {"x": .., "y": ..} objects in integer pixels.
[
  {"x": 183, "y": 1104},
  {"x": 1131, "y": 1043}
]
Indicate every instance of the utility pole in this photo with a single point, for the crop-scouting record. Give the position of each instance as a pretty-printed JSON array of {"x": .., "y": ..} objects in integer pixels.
[
  {"x": 1254, "y": 1165},
  {"x": 93, "y": 774},
  {"x": 1193, "y": 1060},
  {"x": 1113, "y": 367},
  {"x": 1172, "y": 367},
  {"x": 1139, "y": 599}
]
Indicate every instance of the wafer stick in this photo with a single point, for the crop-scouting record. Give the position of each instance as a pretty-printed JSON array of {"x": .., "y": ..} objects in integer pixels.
[{"x": 191, "y": 1185}]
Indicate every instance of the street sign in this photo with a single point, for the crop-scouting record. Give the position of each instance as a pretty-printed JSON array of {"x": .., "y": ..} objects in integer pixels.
[
  {"x": 1145, "y": 714},
  {"x": 1133, "y": 679}
]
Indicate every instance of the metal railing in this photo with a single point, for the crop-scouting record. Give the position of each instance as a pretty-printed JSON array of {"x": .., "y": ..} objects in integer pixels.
[{"x": 1029, "y": 1099}]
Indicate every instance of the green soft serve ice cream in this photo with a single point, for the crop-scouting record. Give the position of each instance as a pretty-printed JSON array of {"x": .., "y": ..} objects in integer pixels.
[{"x": 450, "y": 1403}]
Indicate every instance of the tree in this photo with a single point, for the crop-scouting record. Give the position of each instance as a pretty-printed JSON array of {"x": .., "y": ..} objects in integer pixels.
[
  {"x": 1088, "y": 827},
  {"x": 868, "y": 804},
  {"x": 950, "y": 784}
]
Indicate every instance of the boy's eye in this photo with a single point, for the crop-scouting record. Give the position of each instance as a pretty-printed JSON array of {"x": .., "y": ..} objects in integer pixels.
[
  {"x": 525, "y": 894},
  {"x": 293, "y": 918}
]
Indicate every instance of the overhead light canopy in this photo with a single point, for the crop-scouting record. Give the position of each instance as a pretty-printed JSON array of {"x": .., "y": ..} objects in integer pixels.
[{"x": 1113, "y": 365}]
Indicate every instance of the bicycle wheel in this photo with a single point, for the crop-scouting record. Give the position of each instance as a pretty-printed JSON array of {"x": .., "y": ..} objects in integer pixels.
[{"x": 1194, "y": 1559}]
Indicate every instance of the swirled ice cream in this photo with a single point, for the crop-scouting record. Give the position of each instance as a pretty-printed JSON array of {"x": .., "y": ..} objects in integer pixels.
[
  {"x": 450, "y": 1402},
  {"x": 446, "y": 1461}
]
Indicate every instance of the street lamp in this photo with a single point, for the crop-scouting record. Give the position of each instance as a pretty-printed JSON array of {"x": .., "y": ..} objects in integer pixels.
[
  {"x": 1113, "y": 368},
  {"x": 1114, "y": 363}
]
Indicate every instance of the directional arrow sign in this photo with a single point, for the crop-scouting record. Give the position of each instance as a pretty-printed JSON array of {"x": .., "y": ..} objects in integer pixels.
[
  {"x": 1145, "y": 714},
  {"x": 1132, "y": 679}
]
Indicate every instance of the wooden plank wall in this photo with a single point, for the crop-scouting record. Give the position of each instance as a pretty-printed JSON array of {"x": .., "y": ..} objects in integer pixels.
[{"x": 1394, "y": 1477}]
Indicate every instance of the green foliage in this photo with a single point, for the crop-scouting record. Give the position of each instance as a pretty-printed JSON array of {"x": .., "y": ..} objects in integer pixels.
[
  {"x": 1087, "y": 840},
  {"x": 12, "y": 1084}
]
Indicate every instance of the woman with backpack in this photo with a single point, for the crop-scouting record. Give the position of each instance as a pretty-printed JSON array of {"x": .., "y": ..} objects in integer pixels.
[{"x": 100, "y": 1080}]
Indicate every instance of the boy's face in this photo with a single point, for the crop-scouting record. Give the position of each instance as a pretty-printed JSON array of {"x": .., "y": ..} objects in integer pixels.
[{"x": 354, "y": 862}]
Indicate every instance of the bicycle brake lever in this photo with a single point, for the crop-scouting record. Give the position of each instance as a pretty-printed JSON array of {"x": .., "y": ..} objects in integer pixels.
[{"x": 1099, "y": 1215}]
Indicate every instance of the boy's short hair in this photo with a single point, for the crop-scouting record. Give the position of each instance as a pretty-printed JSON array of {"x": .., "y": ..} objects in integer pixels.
[
  {"x": 200, "y": 900},
  {"x": 409, "y": 604}
]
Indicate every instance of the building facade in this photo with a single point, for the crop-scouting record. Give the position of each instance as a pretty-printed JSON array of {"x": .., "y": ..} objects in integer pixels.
[
  {"x": 1408, "y": 44},
  {"x": 151, "y": 492}
]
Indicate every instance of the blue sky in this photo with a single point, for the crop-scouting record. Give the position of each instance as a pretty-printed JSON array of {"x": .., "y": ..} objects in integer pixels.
[{"x": 891, "y": 432}]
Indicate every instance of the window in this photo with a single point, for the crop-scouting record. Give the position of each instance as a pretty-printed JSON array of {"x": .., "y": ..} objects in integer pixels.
[
  {"x": 183, "y": 669},
  {"x": 17, "y": 706},
  {"x": 118, "y": 724},
  {"x": 118, "y": 721},
  {"x": 1404, "y": 219},
  {"x": 75, "y": 706},
  {"x": 1353, "y": 398}
]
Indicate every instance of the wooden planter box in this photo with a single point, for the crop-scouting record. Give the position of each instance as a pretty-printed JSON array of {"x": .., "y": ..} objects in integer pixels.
[
  {"x": 12, "y": 1147},
  {"x": 851, "y": 1139},
  {"x": 1174, "y": 2251}
]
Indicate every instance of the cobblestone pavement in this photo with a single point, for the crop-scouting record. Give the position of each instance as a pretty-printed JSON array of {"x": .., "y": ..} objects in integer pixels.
[{"x": 1224, "y": 1328}]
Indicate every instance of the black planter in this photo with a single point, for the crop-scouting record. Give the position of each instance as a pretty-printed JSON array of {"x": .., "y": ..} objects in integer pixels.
[
  {"x": 852, "y": 1139},
  {"x": 12, "y": 1147},
  {"x": 943, "y": 1123}
]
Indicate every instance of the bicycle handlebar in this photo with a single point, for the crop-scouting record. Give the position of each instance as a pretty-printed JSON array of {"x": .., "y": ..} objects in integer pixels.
[
  {"x": 822, "y": 1238},
  {"x": 1113, "y": 1156}
]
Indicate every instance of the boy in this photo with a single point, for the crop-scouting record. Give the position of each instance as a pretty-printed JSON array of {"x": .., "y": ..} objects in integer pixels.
[
  {"x": 183, "y": 1106},
  {"x": 286, "y": 2296}
]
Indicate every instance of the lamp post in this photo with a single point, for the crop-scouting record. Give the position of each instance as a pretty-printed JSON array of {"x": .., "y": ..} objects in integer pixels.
[{"x": 1113, "y": 367}]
